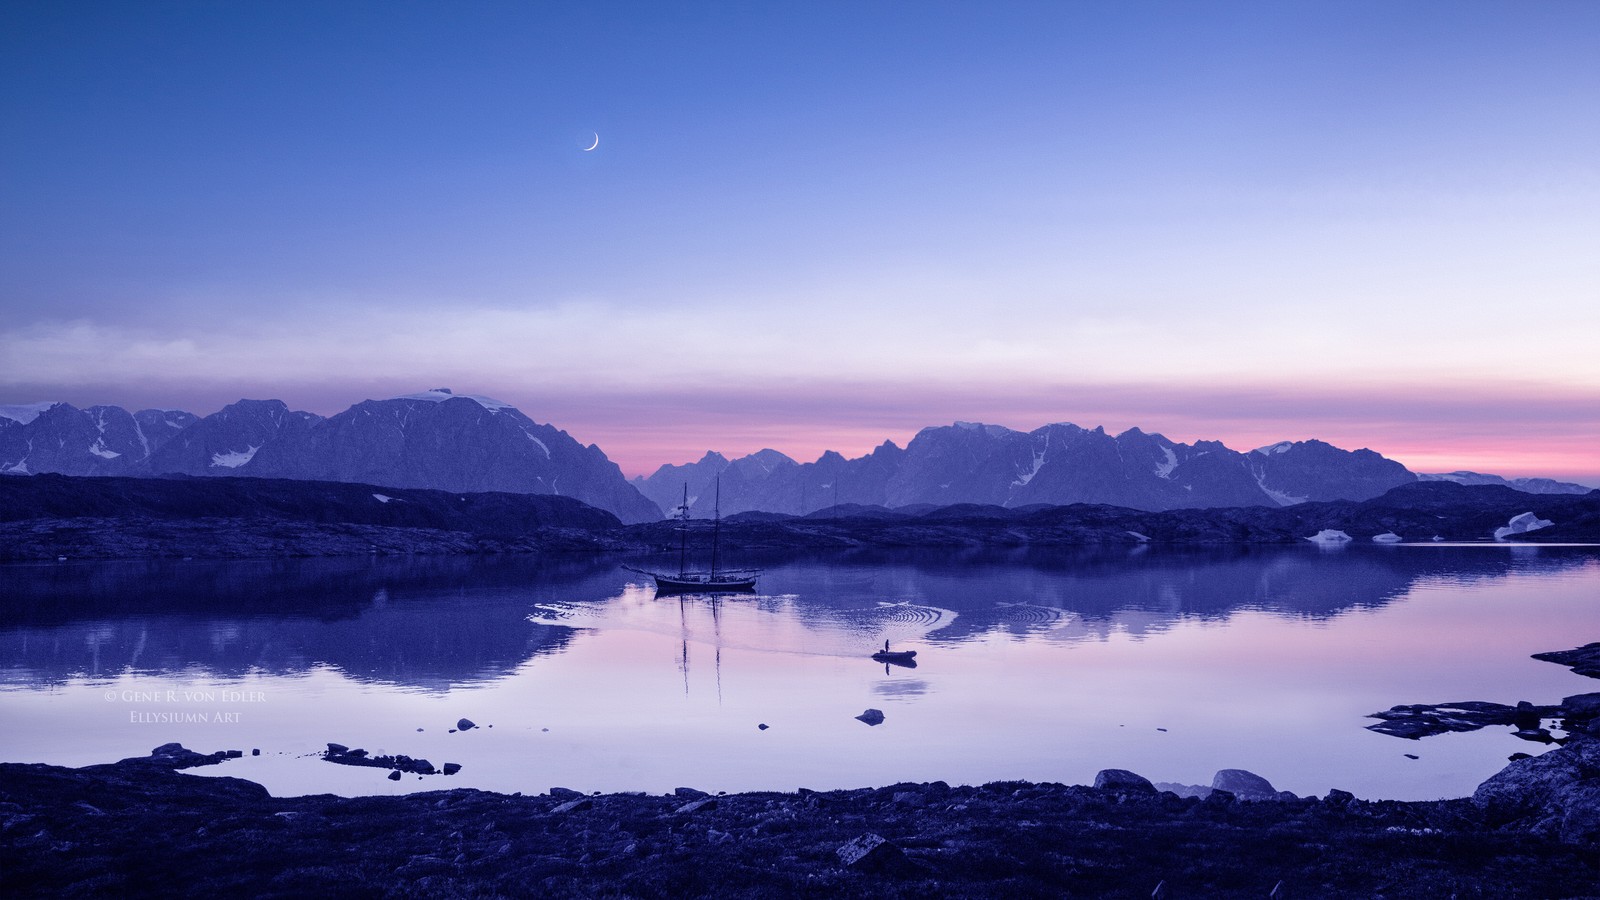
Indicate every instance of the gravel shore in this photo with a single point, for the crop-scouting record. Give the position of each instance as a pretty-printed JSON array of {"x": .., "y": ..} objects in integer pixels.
[{"x": 140, "y": 828}]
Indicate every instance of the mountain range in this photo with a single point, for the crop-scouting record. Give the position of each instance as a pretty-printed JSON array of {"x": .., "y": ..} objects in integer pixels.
[
  {"x": 467, "y": 443},
  {"x": 1054, "y": 465},
  {"x": 434, "y": 439}
]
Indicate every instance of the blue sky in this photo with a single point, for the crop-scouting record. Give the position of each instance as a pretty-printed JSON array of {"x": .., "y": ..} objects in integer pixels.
[{"x": 821, "y": 225}]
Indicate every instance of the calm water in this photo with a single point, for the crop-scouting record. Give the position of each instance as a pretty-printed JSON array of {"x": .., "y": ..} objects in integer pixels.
[{"x": 1043, "y": 667}]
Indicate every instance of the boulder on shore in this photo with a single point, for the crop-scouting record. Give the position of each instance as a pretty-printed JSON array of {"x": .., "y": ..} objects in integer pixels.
[
  {"x": 1243, "y": 784},
  {"x": 1555, "y": 794},
  {"x": 1122, "y": 780}
]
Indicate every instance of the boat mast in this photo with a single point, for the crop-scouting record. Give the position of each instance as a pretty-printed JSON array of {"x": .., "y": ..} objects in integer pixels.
[
  {"x": 716, "y": 526},
  {"x": 683, "y": 532}
]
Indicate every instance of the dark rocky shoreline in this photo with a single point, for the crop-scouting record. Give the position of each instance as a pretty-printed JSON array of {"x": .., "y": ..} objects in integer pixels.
[
  {"x": 141, "y": 828},
  {"x": 46, "y": 517}
]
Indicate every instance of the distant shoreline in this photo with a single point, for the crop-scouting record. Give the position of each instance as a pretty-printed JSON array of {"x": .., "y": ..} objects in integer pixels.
[{"x": 47, "y": 517}]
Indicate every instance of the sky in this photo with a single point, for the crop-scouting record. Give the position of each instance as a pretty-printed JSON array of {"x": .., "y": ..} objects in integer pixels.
[{"x": 822, "y": 225}]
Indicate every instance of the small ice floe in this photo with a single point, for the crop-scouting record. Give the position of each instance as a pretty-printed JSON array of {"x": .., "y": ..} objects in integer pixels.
[
  {"x": 1521, "y": 525},
  {"x": 1329, "y": 537},
  {"x": 1388, "y": 537}
]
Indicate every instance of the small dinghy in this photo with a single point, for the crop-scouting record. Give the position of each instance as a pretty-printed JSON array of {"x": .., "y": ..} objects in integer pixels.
[
  {"x": 899, "y": 656},
  {"x": 907, "y": 658}
]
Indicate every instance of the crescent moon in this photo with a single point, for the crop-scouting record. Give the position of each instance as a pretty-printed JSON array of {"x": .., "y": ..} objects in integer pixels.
[{"x": 595, "y": 144}]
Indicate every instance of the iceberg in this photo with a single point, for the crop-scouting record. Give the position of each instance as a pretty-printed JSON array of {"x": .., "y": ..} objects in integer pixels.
[
  {"x": 1521, "y": 525},
  {"x": 1330, "y": 537},
  {"x": 1388, "y": 537}
]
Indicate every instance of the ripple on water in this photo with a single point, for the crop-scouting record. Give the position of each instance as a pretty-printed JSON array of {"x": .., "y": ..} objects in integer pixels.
[{"x": 1027, "y": 614}]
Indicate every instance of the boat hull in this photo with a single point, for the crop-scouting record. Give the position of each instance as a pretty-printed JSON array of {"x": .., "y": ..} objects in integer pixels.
[
  {"x": 704, "y": 584},
  {"x": 895, "y": 656}
]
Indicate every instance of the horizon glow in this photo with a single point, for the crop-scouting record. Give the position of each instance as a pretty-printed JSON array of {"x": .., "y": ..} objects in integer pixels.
[{"x": 1369, "y": 224}]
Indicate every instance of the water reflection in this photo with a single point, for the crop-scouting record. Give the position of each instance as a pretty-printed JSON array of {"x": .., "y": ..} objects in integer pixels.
[
  {"x": 433, "y": 623},
  {"x": 1035, "y": 665},
  {"x": 426, "y": 624}
]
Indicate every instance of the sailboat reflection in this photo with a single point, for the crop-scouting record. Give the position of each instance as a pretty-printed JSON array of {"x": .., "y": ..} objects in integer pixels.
[{"x": 716, "y": 630}]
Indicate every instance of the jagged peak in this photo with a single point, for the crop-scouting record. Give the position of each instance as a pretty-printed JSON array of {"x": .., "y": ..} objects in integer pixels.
[
  {"x": 1274, "y": 449},
  {"x": 23, "y": 413},
  {"x": 439, "y": 395},
  {"x": 991, "y": 430},
  {"x": 246, "y": 403}
]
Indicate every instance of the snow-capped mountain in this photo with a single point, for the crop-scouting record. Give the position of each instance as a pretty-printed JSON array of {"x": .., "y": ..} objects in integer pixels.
[
  {"x": 451, "y": 442},
  {"x": 1296, "y": 471},
  {"x": 441, "y": 440},
  {"x": 1057, "y": 464},
  {"x": 226, "y": 441},
  {"x": 100, "y": 440},
  {"x": 434, "y": 439},
  {"x": 1526, "y": 485}
]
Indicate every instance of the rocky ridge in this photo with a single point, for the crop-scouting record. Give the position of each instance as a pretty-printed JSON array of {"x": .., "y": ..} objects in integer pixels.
[{"x": 46, "y": 517}]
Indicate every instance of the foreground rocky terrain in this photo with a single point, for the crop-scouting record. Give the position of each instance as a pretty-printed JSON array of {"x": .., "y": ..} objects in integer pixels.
[{"x": 140, "y": 828}]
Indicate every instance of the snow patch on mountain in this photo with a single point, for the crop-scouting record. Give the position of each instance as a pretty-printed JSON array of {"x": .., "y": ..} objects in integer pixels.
[
  {"x": 1270, "y": 449},
  {"x": 99, "y": 448},
  {"x": 1282, "y": 498},
  {"x": 539, "y": 442},
  {"x": 1164, "y": 469},
  {"x": 382, "y": 498},
  {"x": 439, "y": 395},
  {"x": 233, "y": 459},
  {"x": 23, "y": 413},
  {"x": 1038, "y": 463}
]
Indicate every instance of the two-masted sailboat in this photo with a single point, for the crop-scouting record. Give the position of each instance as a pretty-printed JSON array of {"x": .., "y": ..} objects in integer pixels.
[{"x": 712, "y": 580}]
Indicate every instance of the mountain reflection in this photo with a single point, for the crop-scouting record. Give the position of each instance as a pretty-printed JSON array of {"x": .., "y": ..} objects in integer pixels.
[
  {"x": 428, "y": 623},
  {"x": 435, "y": 623}
]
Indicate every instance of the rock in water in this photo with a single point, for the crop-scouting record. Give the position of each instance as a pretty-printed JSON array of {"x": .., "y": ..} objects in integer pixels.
[
  {"x": 1123, "y": 780},
  {"x": 872, "y": 717},
  {"x": 1242, "y": 783},
  {"x": 465, "y": 725},
  {"x": 1584, "y": 660}
]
